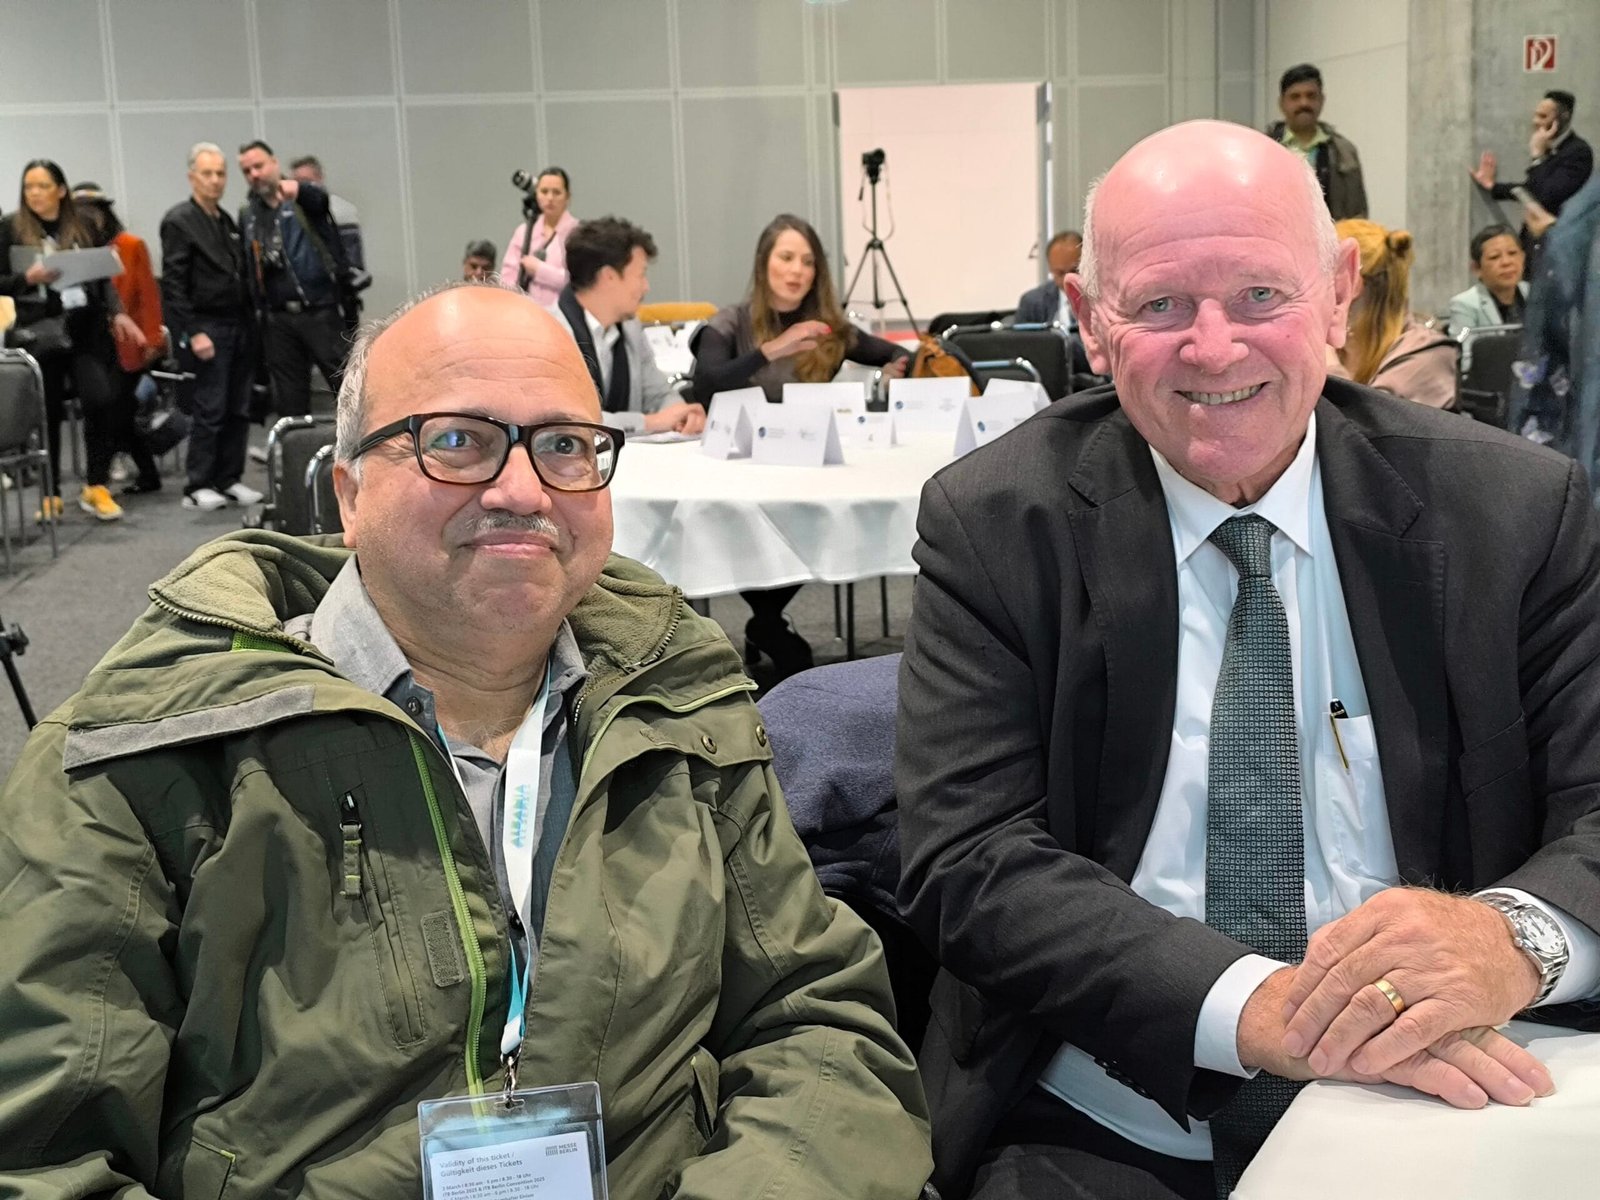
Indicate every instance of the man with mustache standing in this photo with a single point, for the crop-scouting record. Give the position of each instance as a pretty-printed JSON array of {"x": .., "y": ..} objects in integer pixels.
[
  {"x": 462, "y": 804},
  {"x": 1331, "y": 155},
  {"x": 1247, "y": 717}
]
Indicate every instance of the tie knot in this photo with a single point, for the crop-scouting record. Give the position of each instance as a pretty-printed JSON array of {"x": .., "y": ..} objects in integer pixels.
[{"x": 1247, "y": 541}]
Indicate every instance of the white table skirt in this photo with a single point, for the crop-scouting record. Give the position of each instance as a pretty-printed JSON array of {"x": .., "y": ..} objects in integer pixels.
[
  {"x": 713, "y": 526},
  {"x": 1340, "y": 1141}
]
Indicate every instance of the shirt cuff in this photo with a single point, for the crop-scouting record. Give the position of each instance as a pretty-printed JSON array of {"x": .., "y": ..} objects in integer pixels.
[
  {"x": 627, "y": 421},
  {"x": 1216, "y": 1033},
  {"x": 1581, "y": 978}
]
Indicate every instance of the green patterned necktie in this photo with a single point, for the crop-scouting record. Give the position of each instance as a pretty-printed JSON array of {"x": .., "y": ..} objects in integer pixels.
[{"x": 1255, "y": 843}]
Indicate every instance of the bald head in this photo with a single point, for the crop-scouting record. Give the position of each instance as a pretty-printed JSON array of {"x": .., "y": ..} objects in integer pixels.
[
  {"x": 410, "y": 360},
  {"x": 1202, "y": 162}
]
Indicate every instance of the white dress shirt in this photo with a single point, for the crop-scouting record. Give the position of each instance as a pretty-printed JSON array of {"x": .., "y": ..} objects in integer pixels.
[{"x": 1349, "y": 854}]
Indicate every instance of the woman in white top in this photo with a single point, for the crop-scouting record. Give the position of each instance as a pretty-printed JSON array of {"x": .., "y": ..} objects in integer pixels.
[{"x": 537, "y": 261}]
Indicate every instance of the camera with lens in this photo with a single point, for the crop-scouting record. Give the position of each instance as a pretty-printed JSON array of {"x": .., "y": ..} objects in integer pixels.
[
  {"x": 523, "y": 181},
  {"x": 872, "y": 163},
  {"x": 272, "y": 258}
]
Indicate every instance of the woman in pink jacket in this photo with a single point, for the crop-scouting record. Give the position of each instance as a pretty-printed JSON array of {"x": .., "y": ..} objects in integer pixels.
[{"x": 542, "y": 270}]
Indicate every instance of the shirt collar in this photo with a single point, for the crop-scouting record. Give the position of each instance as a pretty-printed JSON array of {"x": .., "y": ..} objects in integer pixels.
[
  {"x": 1195, "y": 513},
  {"x": 1288, "y": 138},
  {"x": 348, "y": 628},
  {"x": 601, "y": 334}
]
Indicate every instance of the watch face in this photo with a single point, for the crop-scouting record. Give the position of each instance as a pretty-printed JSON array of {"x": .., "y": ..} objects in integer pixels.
[{"x": 1541, "y": 933}]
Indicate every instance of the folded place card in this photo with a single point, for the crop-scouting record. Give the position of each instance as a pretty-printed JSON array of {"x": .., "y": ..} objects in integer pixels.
[
  {"x": 730, "y": 424},
  {"x": 987, "y": 417},
  {"x": 1023, "y": 387},
  {"x": 928, "y": 405},
  {"x": 797, "y": 435},
  {"x": 850, "y": 396},
  {"x": 868, "y": 429}
]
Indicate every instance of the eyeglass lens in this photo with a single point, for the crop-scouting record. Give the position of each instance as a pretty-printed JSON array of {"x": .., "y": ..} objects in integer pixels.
[{"x": 466, "y": 450}]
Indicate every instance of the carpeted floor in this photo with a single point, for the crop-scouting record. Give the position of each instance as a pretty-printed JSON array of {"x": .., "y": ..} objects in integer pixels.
[{"x": 73, "y": 608}]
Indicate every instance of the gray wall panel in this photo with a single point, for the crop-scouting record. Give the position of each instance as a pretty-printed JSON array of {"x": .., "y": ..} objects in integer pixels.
[
  {"x": 1237, "y": 24},
  {"x": 1238, "y": 98},
  {"x": 1112, "y": 118},
  {"x": 745, "y": 163},
  {"x": 1122, "y": 37},
  {"x": 79, "y": 142},
  {"x": 888, "y": 41},
  {"x": 601, "y": 45},
  {"x": 160, "y": 143},
  {"x": 360, "y": 150},
  {"x": 459, "y": 197},
  {"x": 325, "y": 48},
  {"x": 996, "y": 41},
  {"x": 40, "y": 40},
  {"x": 734, "y": 43},
  {"x": 627, "y": 173},
  {"x": 465, "y": 46},
  {"x": 150, "y": 39}
]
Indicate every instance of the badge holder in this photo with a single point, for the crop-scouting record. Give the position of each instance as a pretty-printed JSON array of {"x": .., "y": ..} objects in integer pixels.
[{"x": 538, "y": 1144}]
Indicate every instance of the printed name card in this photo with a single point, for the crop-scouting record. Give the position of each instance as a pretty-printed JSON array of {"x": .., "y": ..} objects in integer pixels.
[
  {"x": 730, "y": 423},
  {"x": 874, "y": 429},
  {"x": 848, "y": 397},
  {"x": 987, "y": 417},
  {"x": 797, "y": 435},
  {"x": 1021, "y": 387},
  {"x": 928, "y": 405}
]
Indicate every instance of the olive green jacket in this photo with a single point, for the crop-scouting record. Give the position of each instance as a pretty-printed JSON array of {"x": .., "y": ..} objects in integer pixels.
[{"x": 208, "y": 989}]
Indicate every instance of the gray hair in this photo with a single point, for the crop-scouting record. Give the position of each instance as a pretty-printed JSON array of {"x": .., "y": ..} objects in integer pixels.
[
  {"x": 1321, "y": 225},
  {"x": 199, "y": 148},
  {"x": 351, "y": 412}
]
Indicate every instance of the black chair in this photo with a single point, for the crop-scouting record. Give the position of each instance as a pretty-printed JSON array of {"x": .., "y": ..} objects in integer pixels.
[
  {"x": 1038, "y": 352},
  {"x": 320, "y": 495},
  {"x": 23, "y": 452},
  {"x": 988, "y": 317},
  {"x": 291, "y": 445},
  {"x": 1486, "y": 382}
]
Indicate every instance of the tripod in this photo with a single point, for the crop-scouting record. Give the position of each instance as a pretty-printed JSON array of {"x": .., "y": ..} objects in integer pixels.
[
  {"x": 875, "y": 249},
  {"x": 12, "y": 643}
]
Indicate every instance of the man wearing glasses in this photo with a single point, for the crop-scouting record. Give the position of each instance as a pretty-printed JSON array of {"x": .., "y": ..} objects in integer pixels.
[{"x": 461, "y": 806}]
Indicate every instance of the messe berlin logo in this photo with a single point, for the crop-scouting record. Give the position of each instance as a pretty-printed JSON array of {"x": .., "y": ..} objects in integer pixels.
[
  {"x": 899, "y": 403},
  {"x": 981, "y": 426},
  {"x": 762, "y": 432}
]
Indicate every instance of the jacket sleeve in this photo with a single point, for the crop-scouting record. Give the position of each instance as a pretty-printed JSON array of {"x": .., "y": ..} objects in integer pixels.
[
  {"x": 1463, "y": 312},
  {"x": 655, "y": 393},
  {"x": 88, "y": 1002},
  {"x": 719, "y": 368},
  {"x": 1010, "y": 903},
  {"x": 177, "y": 259},
  {"x": 818, "y": 1095},
  {"x": 12, "y": 283},
  {"x": 1556, "y": 179},
  {"x": 513, "y": 256}
]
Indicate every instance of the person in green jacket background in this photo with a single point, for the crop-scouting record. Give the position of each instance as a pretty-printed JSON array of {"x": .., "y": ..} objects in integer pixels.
[{"x": 271, "y": 878}]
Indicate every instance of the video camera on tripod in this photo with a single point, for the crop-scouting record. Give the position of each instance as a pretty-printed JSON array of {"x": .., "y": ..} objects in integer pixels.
[{"x": 872, "y": 163}]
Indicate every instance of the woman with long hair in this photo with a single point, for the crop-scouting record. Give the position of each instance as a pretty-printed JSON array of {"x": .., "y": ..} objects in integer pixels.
[
  {"x": 790, "y": 328},
  {"x": 1388, "y": 347},
  {"x": 72, "y": 328},
  {"x": 541, "y": 270}
]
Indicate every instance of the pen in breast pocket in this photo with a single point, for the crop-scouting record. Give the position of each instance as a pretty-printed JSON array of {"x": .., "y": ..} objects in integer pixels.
[{"x": 1337, "y": 713}]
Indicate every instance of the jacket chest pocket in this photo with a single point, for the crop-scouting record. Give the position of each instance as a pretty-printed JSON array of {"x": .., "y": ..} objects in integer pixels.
[{"x": 367, "y": 893}]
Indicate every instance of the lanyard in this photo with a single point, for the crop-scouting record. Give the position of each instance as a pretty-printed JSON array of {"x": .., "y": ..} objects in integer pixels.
[{"x": 521, "y": 804}]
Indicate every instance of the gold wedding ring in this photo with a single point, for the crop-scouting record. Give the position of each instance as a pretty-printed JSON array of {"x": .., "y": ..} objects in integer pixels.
[{"x": 1389, "y": 994}]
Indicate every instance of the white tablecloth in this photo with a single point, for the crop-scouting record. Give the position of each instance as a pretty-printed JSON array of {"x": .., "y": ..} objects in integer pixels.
[
  {"x": 713, "y": 526},
  {"x": 1345, "y": 1141}
]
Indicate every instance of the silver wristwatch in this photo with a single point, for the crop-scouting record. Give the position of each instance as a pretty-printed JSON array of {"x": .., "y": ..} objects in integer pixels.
[{"x": 1536, "y": 933}]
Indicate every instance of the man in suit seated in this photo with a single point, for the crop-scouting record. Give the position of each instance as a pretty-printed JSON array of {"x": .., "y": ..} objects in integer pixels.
[
  {"x": 608, "y": 261},
  {"x": 1223, "y": 657},
  {"x": 1048, "y": 301}
]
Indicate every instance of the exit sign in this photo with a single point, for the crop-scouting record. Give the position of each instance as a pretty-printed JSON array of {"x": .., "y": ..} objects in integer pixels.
[{"x": 1539, "y": 52}]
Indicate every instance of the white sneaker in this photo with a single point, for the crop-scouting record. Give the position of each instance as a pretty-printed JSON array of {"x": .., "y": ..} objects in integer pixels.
[
  {"x": 258, "y": 454},
  {"x": 241, "y": 494},
  {"x": 205, "y": 499}
]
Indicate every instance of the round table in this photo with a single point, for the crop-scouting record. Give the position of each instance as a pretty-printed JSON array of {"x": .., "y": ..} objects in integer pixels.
[{"x": 714, "y": 526}]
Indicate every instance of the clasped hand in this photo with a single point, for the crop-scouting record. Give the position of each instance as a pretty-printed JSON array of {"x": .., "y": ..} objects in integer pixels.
[{"x": 1452, "y": 961}]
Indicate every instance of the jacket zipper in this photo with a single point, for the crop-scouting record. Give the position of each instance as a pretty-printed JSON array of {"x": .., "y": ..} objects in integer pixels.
[
  {"x": 350, "y": 831},
  {"x": 657, "y": 652},
  {"x": 458, "y": 904}
]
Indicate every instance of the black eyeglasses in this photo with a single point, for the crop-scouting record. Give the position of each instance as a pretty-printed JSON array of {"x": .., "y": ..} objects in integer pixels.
[{"x": 567, "y": 456}]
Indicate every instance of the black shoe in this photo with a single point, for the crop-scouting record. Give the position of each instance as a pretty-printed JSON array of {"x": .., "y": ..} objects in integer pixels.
[
  {"x": 141, "y": 486},
  {"x": 790, "y": 653}
]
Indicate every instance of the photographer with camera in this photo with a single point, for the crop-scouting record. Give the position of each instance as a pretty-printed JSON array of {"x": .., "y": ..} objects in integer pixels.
[
  {"x": 298, "y": 278},
  {"x": 208, "y": 313},
  {"x": 536, "y": 256}
]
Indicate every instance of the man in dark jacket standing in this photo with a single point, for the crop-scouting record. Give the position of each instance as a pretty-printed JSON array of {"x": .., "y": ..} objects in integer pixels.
[
  {"x": 203, "y": 296},
  {"x": 1331, "y": 155},
  {"x": 296, "y": 269},
  {"x": 1559, "y": 163}
]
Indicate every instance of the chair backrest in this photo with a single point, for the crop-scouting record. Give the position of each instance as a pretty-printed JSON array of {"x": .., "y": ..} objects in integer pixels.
[
  {"x": 21, "y": 401},
  {"x": 292, "y": 444},
  {"x": 1045, "y": 348},
  {"x": 984, "y": 317},
  {"x": 1486, "y": 382},
  {"x": 320, "y": 495},
  {"x": 676, "y": 312}
]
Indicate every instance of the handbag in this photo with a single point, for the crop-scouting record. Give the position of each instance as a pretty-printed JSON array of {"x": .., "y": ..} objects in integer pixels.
[{"x": 43, "y": 338}]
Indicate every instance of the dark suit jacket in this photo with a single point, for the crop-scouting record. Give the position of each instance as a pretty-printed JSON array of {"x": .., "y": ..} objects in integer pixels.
[
  {"x": 1554, "y": 179},
  {"x": 1036, "y": 702},
  {"x": 1042, "y": 303}
]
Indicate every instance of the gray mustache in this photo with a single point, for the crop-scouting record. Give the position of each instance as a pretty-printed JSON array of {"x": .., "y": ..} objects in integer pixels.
[{"x": 500, "y": 521}]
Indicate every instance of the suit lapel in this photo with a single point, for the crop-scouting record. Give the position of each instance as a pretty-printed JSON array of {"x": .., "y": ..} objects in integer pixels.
[
  {"x": 1394, "y": 590},
  {"x": 1124, "y": 544}
]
